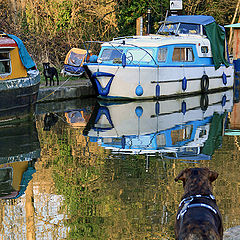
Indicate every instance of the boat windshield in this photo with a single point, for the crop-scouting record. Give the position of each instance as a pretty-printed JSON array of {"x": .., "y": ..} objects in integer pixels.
[
  {"x": 168, "y": 28},
  {"x": 138, "y": 55},
  {"x": 75, "y": 59},
  {"x": 179, "y": 28},
  {"x": 109, "y": 54}
]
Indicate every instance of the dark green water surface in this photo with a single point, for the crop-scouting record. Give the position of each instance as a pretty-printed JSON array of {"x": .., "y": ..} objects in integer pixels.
[{"x": 100, "y": 170}]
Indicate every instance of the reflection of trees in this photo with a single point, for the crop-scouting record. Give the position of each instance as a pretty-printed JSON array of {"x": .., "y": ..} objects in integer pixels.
[
  {"x": 114, "y": 197},
  {"x": 227, "y": 188},
  {"x": 110, "y": 197}
]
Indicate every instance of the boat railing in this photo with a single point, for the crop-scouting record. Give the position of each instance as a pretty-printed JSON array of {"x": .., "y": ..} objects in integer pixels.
[
  {"x": 125, "y": 37},
  {"x": 131, "y": 37}
]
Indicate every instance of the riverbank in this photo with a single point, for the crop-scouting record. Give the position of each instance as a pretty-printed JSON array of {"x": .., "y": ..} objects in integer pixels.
[{"x": 71, "y": 88}]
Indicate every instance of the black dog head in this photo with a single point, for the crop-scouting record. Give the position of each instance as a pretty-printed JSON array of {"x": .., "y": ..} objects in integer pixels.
[
  {"x": 197, "y": 180},
  {"x": 46, "y": 66},
  {"x": 50, "y": 120}
]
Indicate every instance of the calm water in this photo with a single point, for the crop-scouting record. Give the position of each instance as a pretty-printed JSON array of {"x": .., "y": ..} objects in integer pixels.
[{"x": 95, "y": 170}]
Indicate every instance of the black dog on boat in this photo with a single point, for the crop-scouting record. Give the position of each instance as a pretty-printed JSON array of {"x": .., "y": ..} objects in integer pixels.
[
  {"x": 50, "y": 72},
  {"x": 198, "y": 217}
]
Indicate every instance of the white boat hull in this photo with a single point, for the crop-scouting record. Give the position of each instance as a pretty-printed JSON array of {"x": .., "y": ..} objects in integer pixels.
[{"x": 169, "y": 79}]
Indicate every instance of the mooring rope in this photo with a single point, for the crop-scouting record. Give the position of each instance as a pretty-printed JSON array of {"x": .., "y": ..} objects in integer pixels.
[{"x": 53, "y": 91}]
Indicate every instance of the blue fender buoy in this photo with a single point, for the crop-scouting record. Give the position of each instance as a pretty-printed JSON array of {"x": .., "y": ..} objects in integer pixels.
[
  {"x": 184, "y": 84},
  {"x": 224, "y": 100},
  {"x": 184, "y": 107},
  {"x": 224, "y": 78},
  {"x": 139, "y": 111},
  {"x": 93, "y": 59},
  {"x": 123, "y": 142},
  {"x": 124, "y": 60},
  {"x": 157, "y": 108},
  {"x": 139, "y": 90},
  {"x": 157, "y": 90}
]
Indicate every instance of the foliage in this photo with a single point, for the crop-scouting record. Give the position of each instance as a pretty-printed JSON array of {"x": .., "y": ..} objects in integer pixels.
[
  {"x": 116, "y": 197},
  {"x": 50, "y": 28},
  {"x": 221, "y": 10},
  {"x": 129, "y": 11}
]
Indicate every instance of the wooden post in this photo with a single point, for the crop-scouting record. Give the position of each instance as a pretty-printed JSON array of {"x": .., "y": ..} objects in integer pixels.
[
  {"x": 236, "y": 42},
  {"x": 139, "y": 26},
  {"x": 233, "y": 20}
]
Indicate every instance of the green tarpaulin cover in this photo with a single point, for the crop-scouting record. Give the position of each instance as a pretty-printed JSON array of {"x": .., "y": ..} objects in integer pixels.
[
  {"x": 216, "y": 35},
  {"x": 215, "y": 134}
]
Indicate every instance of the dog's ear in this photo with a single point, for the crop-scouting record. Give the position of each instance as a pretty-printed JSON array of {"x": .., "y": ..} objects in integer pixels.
[
  {"x": 212, "y": 176},
  {"x": 182, "y": 175}
]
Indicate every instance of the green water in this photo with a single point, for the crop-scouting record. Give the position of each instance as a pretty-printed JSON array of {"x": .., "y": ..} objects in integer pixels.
[{"x": 82, "y": 190}]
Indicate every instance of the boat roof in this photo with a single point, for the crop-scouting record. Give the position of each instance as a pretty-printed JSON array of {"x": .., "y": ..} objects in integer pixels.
[
  {"x": 9, "y": 41},
  {"x": 6, "y": 42},
  {"x": 156, "y": 40},
  {"x": 235, "y": 25},
  {"x": 191, "y": 19}
]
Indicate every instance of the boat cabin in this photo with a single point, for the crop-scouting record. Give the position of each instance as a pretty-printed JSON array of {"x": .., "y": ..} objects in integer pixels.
[
  {"x": 180, "y": 39},
  {"x": 165, "y": 51},
  {"x": 11, "y": 66}
]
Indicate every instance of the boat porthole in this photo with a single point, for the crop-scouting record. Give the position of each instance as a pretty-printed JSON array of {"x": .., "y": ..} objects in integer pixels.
[
  {"x": 204, "y": 83},
  {"x": 204, "y": 102},
  {"x": 224, "y": 78}
]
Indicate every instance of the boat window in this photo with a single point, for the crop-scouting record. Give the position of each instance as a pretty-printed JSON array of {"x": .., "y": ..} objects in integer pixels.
[
  {"x": 4, "y": 62},
  {"x": 168, "y": 28},
  {"x": 112, "y": 141},
  {"x": 186, "y": 28},
  {"x": 6, "y": 178},
  {"x": 5, "y": 175},
  {"x": 180, "y": 135},
  {"x": 204, "y": 49},
  {"x": 75, "y": 59},
  {"x": 162, "y": 54},
  {"x": 139, "y": 55},
  {"x": 110, "y": 54},
  {"x": 184, "y": 54},
  {"x": 161, "y": 140}
]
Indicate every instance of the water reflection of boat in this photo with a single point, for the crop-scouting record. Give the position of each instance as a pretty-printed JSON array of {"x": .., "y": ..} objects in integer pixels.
[
  {"x": 233, "y": 127},
  {"x": 19, "y": 150},
  {"x": 78, "y": 118},
  {"x": 184, "y": 128}
]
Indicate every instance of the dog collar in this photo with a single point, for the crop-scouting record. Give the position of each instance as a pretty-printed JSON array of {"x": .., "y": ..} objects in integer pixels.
[
  {"x": 197, "y": 196},
  {"x": 187, "y": 204}
]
